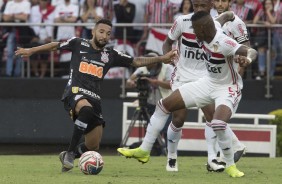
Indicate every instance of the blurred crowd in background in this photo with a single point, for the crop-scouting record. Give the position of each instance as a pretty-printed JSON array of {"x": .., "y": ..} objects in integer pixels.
[{"x": 138, "y": 40}]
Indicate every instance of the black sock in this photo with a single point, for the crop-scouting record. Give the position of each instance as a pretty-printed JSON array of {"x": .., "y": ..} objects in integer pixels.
[
  {"x": 76, "y": 135},
  {"x": 80, "y": 149}
]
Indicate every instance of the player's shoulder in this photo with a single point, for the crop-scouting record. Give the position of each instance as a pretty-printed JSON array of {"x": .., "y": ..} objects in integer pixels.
[
  {"x": 184, "y": 18},
  {"x": 237, "y": 20}
]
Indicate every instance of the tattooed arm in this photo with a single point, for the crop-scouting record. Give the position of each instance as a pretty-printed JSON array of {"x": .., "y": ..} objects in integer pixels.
[
  {"x": 144, "y": 61},
  {"x": 26, "y": 52}
]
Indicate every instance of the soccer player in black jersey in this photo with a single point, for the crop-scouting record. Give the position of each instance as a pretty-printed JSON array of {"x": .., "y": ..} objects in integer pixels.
[{"x": 90, "y": 62}]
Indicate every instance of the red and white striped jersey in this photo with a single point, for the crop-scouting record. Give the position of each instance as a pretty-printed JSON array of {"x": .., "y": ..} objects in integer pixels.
[
  {"x": 219, "y": 55},
  {"x": 191, "y": 63}
]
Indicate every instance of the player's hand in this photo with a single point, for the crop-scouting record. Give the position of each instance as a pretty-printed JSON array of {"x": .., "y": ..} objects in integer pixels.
[
  {"x": 242, "y": 61},
  {"x": 171, "y": 56},
  {"x": 130, "y": 83},
  {"x": 22, "y": 52}
]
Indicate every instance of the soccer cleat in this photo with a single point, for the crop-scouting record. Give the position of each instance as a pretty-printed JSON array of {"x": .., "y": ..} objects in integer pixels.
[
  {"x": 172, "y": 165},
  {"x": 239, "y": 153},
  {"x": 137, "y": 153},
  {"x": 234, "y": 172},
  {"x": 67, "y": 159},
  {"x": 215, "y": 166}
]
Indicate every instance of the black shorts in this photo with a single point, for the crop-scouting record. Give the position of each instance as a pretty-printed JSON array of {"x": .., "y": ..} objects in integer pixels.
[{"x": 70, "y": 103}]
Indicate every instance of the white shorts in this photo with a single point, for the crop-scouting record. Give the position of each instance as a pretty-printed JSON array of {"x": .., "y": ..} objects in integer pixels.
[
  {"x": 176, "y": 84},
  {"x": 203, "y": 92}
]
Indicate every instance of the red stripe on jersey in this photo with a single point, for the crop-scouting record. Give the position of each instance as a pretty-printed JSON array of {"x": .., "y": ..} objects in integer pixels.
[
  {"x": 158, "y": 35},
  {"x": 232, "y": 71},
  {"x": 215, "y": 55},
  {"x": 189, "y": 36}
]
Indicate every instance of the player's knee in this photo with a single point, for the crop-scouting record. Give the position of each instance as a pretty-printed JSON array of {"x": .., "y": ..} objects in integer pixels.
[
  {"x": 162, "y": 106},
  {"x": 177, "y": 122},
  {"x": 87, "y": 118}
]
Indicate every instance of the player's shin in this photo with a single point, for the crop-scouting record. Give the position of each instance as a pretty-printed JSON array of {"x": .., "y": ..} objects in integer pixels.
[
  {"x": 156, "y": 124},
  {"x": 224, "y": 140},
  {"x": 211, "y": 139}
]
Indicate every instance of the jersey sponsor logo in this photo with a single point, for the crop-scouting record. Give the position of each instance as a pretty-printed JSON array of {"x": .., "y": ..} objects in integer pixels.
[
  {"x": 91, "y": 69},
  {"x": 89, "y": 93},
  {"x": 85, "y": 44},
  {"x": 104, "y": 57},
  {"x": 192, "y": 54},
  {"x": 74, "y": 90},
  {"x": 213, "y": 69},
  {"x": 186, "y": 20},
  {"x": 230, "y": 43},
  {"x": 82, "y": 52}
]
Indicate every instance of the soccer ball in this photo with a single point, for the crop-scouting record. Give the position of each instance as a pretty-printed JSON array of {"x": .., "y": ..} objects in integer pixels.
[{"x": 91, "y": 162}]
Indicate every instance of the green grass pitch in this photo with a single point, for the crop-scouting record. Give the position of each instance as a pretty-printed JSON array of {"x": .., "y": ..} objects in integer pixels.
[{"x": 17, "y": 169}]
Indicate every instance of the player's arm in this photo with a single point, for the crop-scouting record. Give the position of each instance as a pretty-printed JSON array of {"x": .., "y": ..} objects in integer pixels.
[
  {"x": 144, "y": 61},
  {"x": 225, "y": 17},
  {"x": 167, "y": 45},
  {"x": 246, "y": 55},
  {"x": 26, "y": 52}
]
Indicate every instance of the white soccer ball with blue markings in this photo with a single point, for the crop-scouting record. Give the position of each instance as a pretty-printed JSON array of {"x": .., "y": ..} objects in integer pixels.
[{"x": 91, "y": 162}]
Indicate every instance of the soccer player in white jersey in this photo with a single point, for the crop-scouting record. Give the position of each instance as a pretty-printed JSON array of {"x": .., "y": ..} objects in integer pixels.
[
  {"x": 190, "y": 67},
  {"x": 237, "y": 30},
  {"x": 221, "y": 86}
]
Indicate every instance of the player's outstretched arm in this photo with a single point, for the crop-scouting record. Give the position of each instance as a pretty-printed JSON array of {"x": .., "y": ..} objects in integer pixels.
[
  {"x": 144, "y": 61},
  {"x": 245, "y": 55},
  {"x": 225, "y": 17},
  {"x": 26, "y": 52}
]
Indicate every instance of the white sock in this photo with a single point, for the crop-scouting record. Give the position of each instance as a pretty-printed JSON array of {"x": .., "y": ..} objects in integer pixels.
[
  {"x": 155, "y": 126},
  {"x": 235, "y": 141},
  {"x": 173, "y": 137},
  {"x": 224, "y": 140},
  {"x": 211, "y": 140}
]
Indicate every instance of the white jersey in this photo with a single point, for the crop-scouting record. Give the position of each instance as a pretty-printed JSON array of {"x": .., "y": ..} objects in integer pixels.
[
  {"x": 222, "y": 70},
  {"x": 237, "y": 30},
  {"x": 191, "y": 63}
]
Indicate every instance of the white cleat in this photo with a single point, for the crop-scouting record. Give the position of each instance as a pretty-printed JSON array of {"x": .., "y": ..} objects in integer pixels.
[
  {"x": 172, "y": 165},
  {"x": 215, "y": 166}
]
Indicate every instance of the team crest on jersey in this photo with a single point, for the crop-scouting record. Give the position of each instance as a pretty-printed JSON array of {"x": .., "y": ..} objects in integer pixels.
[
  {"x": 215, "y": 48},
  {"x": 74, "y": 90},
  {"x": 105, "y": 57}
]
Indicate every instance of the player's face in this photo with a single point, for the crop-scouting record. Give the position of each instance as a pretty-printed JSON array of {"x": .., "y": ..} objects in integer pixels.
[
  {"x": 198, "y": 30},
  {"x": 221, "y": 5},
  {"x": 101, "y": 35},
  {"x": 202, "y": 5}
]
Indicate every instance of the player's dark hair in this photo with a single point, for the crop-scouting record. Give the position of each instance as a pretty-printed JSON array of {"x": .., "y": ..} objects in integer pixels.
[
  {"x": 104, "y": 21},
  {"x": 199, "y": 15}
]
